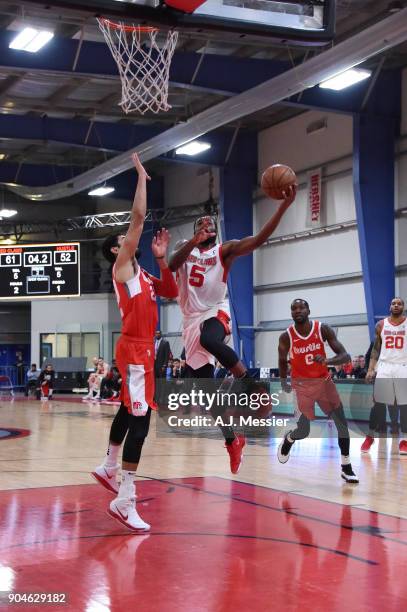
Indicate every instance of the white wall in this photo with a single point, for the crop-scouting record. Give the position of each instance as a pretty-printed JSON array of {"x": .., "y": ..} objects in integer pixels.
[
  {"x": 324, "y": 255},
  {"x": 90, "y": 313},
  {"x": 188, "y": 184},
  {"x": 288, "y": 142}
]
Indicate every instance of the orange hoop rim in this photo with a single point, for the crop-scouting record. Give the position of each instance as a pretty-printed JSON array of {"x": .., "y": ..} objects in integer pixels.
[{"x": 127, "y": 28}]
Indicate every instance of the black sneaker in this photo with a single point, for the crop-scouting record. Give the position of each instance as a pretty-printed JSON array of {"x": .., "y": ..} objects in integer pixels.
[
  {"x": 348, "y": 474},
  {"x": 283, "y": 452}
]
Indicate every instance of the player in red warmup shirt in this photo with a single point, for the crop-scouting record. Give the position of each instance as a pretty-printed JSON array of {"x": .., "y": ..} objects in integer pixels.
[
  {"x": 303, "y": 344},
  {"x": 136, "y": 293}
]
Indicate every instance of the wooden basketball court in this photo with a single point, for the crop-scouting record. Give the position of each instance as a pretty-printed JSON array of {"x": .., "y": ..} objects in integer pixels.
[{"x": 272, "y": 537}]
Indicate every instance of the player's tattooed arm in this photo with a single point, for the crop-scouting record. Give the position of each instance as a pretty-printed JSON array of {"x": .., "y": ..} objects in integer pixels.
[
  {"x": 125, "y": 262},
  {"x": 283, "y": 350},
  {"x": 341, "y": 354},
  {"x": 375, "y": 354},
  {"x": 184, "y": 248},
  {"x": 237, "y": 248}
]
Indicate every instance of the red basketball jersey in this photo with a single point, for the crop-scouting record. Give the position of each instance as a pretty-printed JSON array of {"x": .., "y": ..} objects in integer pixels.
[
  {"x": 304, "y": 349},
  {"x": 137, "y": 304}
]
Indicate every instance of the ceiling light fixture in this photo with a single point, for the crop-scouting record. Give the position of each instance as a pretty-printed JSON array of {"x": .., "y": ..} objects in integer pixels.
[
  {"x": 193, "y": 148},
  {"x": 31, "y": 40},
  {"x": 346, "y": 79},
  {"x": 101, "y": 191},
  {"x": 5, "y": 213}
]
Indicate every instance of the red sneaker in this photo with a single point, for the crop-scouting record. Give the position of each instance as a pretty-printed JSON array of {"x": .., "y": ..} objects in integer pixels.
[
  {"x": 235, "y": 451},
  {"x": 403, "y": 447},
  {"x": 365, "y": 448}
]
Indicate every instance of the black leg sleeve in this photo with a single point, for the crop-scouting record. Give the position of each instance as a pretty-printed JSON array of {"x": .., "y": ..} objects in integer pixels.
[
  {"x": 120, "y": 425},
  {"x": 302, "y": 430},
  {"x": 212, "y": 339},
  {"x": 138, "y": 430},
  {"x": 339, "y": 418}
]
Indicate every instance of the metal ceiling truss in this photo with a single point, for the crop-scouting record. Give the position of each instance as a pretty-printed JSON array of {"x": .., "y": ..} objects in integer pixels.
[{"x": 176, "y": 215}]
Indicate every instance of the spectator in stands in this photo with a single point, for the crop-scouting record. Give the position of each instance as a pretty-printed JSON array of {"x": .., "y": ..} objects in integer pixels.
[
  {"x": 362, "y": 367},
  {"x": 46, "y": 382},
  {"x": 31, "y": 378},
  {"x": 355, "y": 367},
  {"x": 168, "y": 369},
  {"x": 94, "y": 381},
  {"x": 339, "y": 372},
  {"x": 19, "y": 364},
  {"x": 347, "y": 368},
  {"x": 111, "y": 384},
  {"x": 177, "y": 370},
  {"x": 162, "y": 354}
]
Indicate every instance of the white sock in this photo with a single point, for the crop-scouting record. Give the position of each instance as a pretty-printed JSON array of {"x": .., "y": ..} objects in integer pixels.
[
  {"x": 345, "y": 460},
  {"x": 128, "y": 485},
  {"x": 289, "y": 438},
  {"x": 111, "y": 455}
]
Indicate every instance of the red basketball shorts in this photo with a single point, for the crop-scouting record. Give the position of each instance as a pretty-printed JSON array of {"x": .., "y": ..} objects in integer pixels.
[
  {"x": 135, "y": 360},
  {"x": 322, "y": 391}
]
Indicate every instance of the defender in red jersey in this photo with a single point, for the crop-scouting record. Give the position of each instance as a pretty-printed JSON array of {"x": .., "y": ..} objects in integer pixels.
[
  {"x": 136, "y": 295},
  {"x": 303, "y": 344}
]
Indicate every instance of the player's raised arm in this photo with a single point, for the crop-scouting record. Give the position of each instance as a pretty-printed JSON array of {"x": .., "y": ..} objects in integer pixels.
[
  {"x": 341, "y": 354},
  {"x": 283, "y": 350},
  {"x": 126, "y": 262},
  {"x": 181, "y": 254},
  {"x": 375, "y": 354},
  {"x": 166, "y": 285},
  {"x": 236, "y": 248}
]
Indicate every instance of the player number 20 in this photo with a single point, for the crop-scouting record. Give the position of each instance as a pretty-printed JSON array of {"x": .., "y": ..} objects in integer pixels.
[
  {"x": 196, "y": 278},
  {"x": 395, "y": 342}
]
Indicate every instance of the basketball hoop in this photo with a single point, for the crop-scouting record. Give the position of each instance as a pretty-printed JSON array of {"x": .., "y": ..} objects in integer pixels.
[{"x": 143, "y": 63}]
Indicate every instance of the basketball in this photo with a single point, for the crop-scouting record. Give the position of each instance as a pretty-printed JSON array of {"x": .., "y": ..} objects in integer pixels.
[{"x": 276, "y": 179}]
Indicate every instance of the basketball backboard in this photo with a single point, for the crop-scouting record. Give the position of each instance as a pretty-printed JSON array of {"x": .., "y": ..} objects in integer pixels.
[
  {"x": 301, "y": 21},
  {"x": 297, "y": 17}
]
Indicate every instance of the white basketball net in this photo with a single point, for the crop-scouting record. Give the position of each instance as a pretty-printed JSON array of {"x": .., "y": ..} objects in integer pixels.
[{"x": 144, "y": 65}]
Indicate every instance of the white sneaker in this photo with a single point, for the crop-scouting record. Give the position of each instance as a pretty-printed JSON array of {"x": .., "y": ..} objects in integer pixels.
[
  {"x": 96, "y": 398},
  {"x": 87, "y": 397},
  {"x": 124, "y": 511},
  {"x": 107, "y": 477}
]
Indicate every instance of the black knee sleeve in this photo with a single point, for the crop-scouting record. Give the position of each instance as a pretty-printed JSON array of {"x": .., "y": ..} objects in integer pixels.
[
  {"x": 339, "y": 418},
  {"x": 212, "y": 339},
  {"x": 120, "y": 425},
  {"x": 302, "y": 430},
  {"x": 137, "y": 433},
  {"x": 377, "y": 418}
]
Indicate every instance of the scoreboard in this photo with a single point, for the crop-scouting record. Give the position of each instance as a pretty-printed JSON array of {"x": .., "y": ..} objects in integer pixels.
[{"x": 35, "y": 271}]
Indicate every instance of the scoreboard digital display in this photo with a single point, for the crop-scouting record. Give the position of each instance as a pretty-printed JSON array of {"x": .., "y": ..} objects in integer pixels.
[{"x": 33, "y": 271}]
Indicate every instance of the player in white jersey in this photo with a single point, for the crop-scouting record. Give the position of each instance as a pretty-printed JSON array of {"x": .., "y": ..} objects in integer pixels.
[
  {"x": 388, "y": 366},
  {"x": 202, "y": 266}
]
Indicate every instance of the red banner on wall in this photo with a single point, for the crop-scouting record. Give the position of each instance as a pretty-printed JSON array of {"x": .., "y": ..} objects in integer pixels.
[{"x": 314, "y": 209}]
